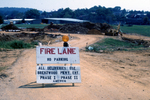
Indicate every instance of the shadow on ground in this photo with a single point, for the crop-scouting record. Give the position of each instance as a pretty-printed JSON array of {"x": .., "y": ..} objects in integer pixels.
[{"x": 38, "y": 85}]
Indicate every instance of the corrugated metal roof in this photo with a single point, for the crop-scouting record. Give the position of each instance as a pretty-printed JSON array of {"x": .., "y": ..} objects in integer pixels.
[{"x": 67, "y": 19}]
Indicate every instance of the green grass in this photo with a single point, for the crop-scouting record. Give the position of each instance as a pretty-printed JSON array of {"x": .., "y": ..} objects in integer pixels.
[
  {"x": 32, "y": 25},
  {"x": 109, "y": 44},
  {"x": 34, "y": 43},
  {"x": 2, "y": 68},
  {"x": 138, "y": 29},
  {"x": 29, "y": 25},
  {"x": 15, "y": 44}
]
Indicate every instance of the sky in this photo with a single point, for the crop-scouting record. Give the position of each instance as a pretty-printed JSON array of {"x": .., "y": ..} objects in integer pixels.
[{"x": 51, "y": 5}]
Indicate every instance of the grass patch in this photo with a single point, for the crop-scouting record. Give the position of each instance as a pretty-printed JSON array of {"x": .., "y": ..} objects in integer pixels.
[
  {"x": 109, "y": 44},
  {"x": 32, "y": 25},
  {"x": 138, "y": 29},
  {"x": 2, "y": 68},
  {"x": 34, "y": 43},
  {"x": 28, "y": 25},
  {"x": 15, "y": 44}
]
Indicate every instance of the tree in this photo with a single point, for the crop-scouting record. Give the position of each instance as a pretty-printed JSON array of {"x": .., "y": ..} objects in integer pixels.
[
  {"x": 67, "y": 13},
  {"x": 124, "y": 12},
  {"x": 80, "y": 13},
  {"x": 20, "y": 15},
  {"x": 93, "y": 9},
  {"x": 32, "y": 13},
  {"x": 148, "y": 15},
  {"x": 1, "y": 20},
  {"x": 13, "y": 14},
  {"x": 145, "y": 20},
  {"x": 117, "y": 8},
  {"x": 23, "y": 20},
  {"x": 44, "y": 15}
]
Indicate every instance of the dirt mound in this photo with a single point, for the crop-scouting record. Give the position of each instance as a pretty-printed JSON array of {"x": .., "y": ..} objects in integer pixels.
[
  {"x": 35, "y": 29},
  {"x": 73, "y": 28},
  {"x": 4, "y": 37},
  {"x": 139, "y": 40},
  {"x": 52, "y": 28},
  {"x": 95, "y": 31},
  {"x": 84, "y": 28},
  {"x": 30, "y": 37},
  {"x": 10, "y": 27}
]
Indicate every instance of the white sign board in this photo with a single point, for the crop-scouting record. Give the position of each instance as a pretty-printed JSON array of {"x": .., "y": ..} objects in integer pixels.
[
  {"x": 58, "y": 74},
  {"x": 57, "y": 55}
]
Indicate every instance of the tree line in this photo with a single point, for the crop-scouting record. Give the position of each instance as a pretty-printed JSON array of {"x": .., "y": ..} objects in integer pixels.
[{"x": 96, "y": 14}]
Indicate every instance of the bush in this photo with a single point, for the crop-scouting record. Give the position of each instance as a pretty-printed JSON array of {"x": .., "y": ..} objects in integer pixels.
[
  {"x": 15, "y": 44},
  {"x": 19, "y": 44},
  {"x": 34, "y": 43}
]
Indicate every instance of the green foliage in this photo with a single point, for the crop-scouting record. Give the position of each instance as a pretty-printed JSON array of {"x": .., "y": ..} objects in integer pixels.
[
  {"x": 32, "y": 13},
  {"x": 19, "y": 45},
  {"x": 32, "y": 25},
  {"x": 67, "y": 13},
  {"x": 97, "y": 14},
  {"x": 28, "y": 25},
  {"x": 146, "y": 20},
  {"x": 10, "y": 9},
  {"x": 16, "y": 44},
  {"x": 2, "y": 68},
  {"x": 138, "y": 29},
  {"x": 109, "y": 44},
  {"x": 148, "y": 15},
  {"x": 114, "y": 42},
  {"x": 12, "y": 15},
  {"x": 34, "y": 43},
  {"x": 1, "y": 20}
]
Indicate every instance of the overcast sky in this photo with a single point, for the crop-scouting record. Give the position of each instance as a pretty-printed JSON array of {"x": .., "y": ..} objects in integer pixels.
[{"x": 49, "y": 5}]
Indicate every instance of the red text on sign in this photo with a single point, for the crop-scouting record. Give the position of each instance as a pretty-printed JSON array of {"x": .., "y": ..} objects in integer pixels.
[
  {"x": 47, "y": 50},
  {"x": 67, "y": 51}
]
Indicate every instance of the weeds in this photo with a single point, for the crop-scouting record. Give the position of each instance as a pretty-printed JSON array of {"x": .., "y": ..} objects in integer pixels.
[
  {"x": 15, "y": 44},
  {"x": 34, "y": 43},
  {"x": 2, "y": 68},
  {"x": 109, "y": 44},
  {"x": 138, "y": 29}
]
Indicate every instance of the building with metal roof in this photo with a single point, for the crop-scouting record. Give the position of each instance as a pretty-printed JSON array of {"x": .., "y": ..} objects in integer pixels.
[
  {"x": 45, "y": 20},
  {"x": 28, "y": 21},
  {"x": 62, "y": 20}
]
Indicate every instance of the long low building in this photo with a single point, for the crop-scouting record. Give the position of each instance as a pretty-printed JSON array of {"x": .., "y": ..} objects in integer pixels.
[
  {"x": 45, "y": 20},
  {"x": 28, "y": 21},
  {"x": 62, "y": 20}
]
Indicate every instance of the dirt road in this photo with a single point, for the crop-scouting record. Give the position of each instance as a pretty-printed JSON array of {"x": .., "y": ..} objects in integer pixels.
[{"x": 104, "y": 76}]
